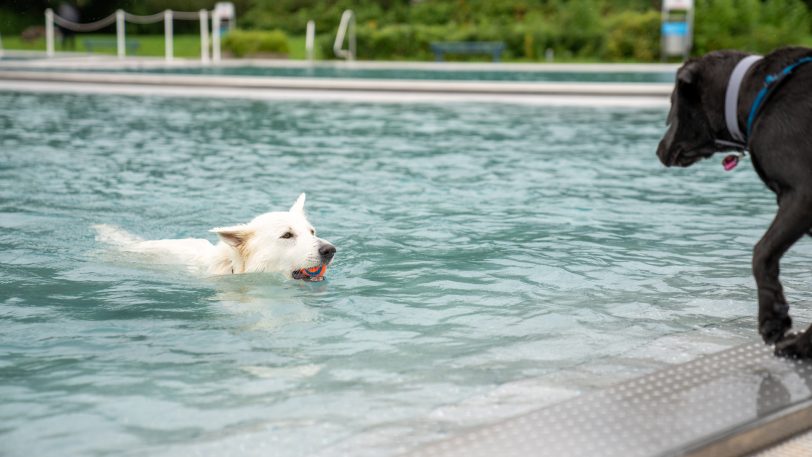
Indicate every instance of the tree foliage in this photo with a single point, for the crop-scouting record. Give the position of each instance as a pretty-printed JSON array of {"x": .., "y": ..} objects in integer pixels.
[{"x": 388, "y": 29}]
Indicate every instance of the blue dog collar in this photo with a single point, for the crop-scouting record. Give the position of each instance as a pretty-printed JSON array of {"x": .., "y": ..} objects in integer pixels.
[{"x": 771, "y": 84}]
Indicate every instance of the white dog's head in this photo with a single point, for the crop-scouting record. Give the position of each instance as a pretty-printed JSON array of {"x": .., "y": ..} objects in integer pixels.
[{"x": 277, "y": 242}]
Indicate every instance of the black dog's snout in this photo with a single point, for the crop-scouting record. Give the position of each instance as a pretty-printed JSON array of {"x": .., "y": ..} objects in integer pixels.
[{"x": 327, "y": 251}]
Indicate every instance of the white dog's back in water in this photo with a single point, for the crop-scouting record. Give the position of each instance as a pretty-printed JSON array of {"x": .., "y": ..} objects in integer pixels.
[{"x": 282, "y": 242}]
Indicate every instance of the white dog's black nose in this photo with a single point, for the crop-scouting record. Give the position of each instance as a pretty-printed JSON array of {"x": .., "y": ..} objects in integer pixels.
[{"x": 327, "y": 251}]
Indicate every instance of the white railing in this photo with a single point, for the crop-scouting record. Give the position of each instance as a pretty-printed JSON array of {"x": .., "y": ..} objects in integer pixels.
[
  {"x": 120, "y": 17},
  {"x": 204, "y": 36},
  {"x": 310, "y": 40},
  {"x": 169, "y": 42},
  {"x": 215, "y": 37},
  {"x": 120, "y": 37},
  {"x": 49, "y": 32},
  {"x": 347, "y": 24}
]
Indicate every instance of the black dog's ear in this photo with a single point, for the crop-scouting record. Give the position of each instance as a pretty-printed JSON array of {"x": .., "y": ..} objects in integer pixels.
[{"x": 689, "y": 73}]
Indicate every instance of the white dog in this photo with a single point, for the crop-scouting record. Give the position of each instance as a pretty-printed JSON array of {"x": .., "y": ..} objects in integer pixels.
[{"x": 282, "y": 242}]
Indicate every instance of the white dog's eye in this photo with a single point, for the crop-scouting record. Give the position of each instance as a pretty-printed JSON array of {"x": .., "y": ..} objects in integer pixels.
[
  {"x": 287, "y": 235},
  {"x": 312, "y": 232}
]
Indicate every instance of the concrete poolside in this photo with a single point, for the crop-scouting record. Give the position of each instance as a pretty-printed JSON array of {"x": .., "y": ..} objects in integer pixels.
[{"x": 104, "y": 74}]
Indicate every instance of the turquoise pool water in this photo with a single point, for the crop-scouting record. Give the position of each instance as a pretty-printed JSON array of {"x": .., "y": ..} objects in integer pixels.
[{"x": 491, "y": 259}]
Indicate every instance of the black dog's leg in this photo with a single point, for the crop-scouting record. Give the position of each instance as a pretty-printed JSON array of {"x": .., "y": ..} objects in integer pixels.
[
  {"x": 795, "y": 345},
  {"x": 793, "y": 220}
]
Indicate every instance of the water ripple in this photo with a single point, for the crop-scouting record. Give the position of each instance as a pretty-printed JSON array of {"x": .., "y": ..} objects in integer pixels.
[{"x": 492, "y": 258}]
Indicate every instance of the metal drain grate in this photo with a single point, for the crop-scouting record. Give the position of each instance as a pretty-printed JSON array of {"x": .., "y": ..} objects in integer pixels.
[{"x": 724, "y": 404}]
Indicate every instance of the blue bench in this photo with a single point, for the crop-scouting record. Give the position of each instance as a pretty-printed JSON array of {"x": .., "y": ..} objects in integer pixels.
[
  {"x": 131, "y": 45},
  {"x": 494, "y": 48}
]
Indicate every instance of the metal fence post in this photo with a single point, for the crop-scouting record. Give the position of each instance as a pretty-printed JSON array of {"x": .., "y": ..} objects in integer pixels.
[
  {"x": 215, "y": 37},
  {"x": 49, "y": 32},
  {"x": 204, "y": 36},
  {"x": 122, "y": 51},
  {"x": 310, "y": 38},
  {"x": 168, "y": 51}
]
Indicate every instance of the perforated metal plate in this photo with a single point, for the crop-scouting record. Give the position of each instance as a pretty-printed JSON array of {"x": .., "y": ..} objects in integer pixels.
[{"x": 726, "y": 404}]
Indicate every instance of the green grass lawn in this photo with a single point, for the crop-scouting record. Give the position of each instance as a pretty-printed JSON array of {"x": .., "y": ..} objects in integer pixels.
[
  {"x": 297, "y": 48},
  {"x": 148, "y": 45}
]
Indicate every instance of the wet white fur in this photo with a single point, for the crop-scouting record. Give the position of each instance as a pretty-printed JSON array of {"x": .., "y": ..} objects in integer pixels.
[{"x": 257, "y": 246}]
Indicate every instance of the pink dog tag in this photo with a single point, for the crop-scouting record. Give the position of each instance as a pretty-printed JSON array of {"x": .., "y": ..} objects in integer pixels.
[{"x": 730, "y": 162}]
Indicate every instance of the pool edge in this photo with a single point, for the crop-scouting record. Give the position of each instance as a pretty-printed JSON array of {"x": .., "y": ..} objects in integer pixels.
[
  {"x": 614, "y": 94},
  {"x": 730, "y": 403}
]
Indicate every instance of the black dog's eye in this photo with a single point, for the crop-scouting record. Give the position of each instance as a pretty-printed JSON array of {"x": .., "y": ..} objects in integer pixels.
[{"x": 287, "y": 235}]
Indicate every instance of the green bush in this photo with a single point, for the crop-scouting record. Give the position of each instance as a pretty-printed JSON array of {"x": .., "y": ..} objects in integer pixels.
[
  {"x": 529, "y": 41},
  {"x": 580, "y": 29},
  {"x": 398, "y": 41},
  {"x": 292, "y": 15},
  {"x": 12, "y": 23},
  {"x": 634, "y": 36},
  {"x": 620, "y": 30},
  {"x": 413, "y": 42},
  {"x": 243, "y": 43},
  {"x": 750, "y": 25}
]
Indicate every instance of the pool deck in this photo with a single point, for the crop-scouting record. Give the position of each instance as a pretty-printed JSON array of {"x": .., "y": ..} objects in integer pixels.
[
  {"x": 73, "y": 74},
  {"x": 732, "y": 403}
]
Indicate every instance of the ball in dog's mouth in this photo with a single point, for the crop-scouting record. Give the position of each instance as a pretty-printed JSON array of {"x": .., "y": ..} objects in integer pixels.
[{"x": 310, "y": 274}]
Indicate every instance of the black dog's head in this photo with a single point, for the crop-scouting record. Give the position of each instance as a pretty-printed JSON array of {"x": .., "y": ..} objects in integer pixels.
[{"x": 696, "y": 118}]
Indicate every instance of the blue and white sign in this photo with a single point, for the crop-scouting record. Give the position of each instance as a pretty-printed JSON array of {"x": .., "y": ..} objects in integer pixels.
[{"x": 675, "y": 28}]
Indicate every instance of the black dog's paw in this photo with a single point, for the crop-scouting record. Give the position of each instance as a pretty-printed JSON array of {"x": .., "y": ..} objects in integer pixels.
[
  {"x": 772, "y": 330},
  {"x": 795, "y": 346}
]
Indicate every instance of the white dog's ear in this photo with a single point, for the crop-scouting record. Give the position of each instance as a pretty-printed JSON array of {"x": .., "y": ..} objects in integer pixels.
[
  {"x": 234, "y": 236},
  {"x": 298, "y": 207}
]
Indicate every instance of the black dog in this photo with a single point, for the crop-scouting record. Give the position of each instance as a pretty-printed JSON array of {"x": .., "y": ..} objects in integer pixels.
[{"x": 779, "y": 139}]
